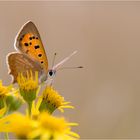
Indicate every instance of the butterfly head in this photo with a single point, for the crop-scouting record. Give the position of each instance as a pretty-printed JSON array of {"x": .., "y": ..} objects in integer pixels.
[
  {"x": 51, "y": 73},
  {"x": 47, "y": 77}
]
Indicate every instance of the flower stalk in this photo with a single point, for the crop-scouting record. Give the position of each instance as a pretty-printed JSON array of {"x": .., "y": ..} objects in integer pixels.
[{"x": 6, "y": 136}]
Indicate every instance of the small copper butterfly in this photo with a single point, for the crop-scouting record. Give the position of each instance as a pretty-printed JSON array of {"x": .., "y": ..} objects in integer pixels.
[{"x": 31, "y": 54}]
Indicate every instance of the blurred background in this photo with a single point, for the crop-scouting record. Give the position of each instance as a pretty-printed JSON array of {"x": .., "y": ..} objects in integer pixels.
[{"x": 106, "y": 93}]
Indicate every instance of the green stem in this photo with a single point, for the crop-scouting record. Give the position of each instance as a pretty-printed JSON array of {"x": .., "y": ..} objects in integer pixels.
[
  {"x": 6, "y": 136},
  {"x": 29, "y": 108}
]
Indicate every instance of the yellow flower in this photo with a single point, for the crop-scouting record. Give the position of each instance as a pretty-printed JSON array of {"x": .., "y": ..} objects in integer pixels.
[
  {"x": 51, "y": 100},
  {"x": 4, "y": 92},
  {"x": 45, "y": 127},
  {"x": 55, "y": 128},
  {"x": 28, "y": 82},
  {"x": 18, "y": 124},
  {"x": 28, "y": 85}
]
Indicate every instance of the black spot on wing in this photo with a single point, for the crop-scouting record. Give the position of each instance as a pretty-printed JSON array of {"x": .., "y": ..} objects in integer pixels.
[
  {"x": 36, "y": 47},
  {"x": 39, "y": 55},
  {"x": 26, "y": 44},
  {"x": 30, "y": 38}
]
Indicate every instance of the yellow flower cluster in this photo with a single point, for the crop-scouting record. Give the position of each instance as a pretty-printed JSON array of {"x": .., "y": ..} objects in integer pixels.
[
  {"x": 44, "y": 128},
  {"x": 38, "y": 122}
]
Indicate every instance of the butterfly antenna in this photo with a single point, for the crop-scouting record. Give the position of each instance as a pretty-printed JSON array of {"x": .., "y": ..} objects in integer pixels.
[
  {"x": 70, "y": 67},
  {"x": 53, "y": 59},
  {"x": 64, "y": 60}
]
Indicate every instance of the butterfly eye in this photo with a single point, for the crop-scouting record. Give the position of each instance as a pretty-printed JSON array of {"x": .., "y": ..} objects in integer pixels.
[{"x": 50, "y": 72}]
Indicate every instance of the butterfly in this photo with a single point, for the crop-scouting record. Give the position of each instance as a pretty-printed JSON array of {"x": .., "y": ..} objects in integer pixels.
[{"x": 31, "y": 54}]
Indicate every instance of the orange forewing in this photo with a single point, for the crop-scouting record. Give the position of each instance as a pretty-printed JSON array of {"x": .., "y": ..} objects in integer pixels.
[
  {"x": 29, "y": 41},
  {"x": 32, "y": 46}
]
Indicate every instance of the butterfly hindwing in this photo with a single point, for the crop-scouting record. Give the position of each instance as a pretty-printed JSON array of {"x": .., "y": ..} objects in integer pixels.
[
  {"x": 21, "y": 63},
  {"x": 28, "y": 41}
]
